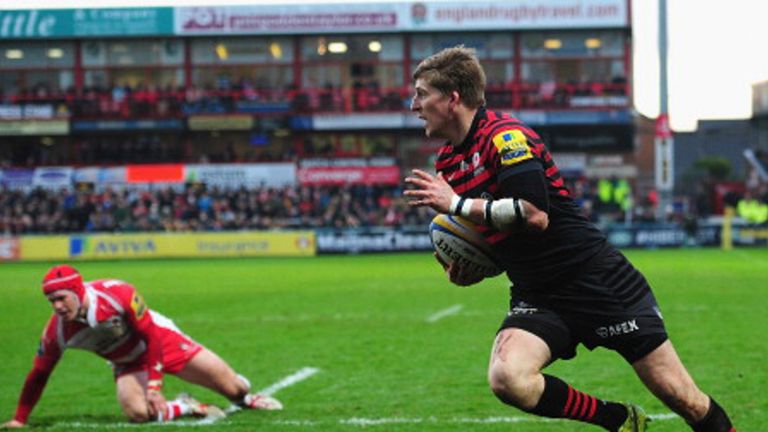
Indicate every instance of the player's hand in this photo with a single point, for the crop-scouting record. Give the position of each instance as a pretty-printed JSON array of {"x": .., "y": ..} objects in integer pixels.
[
  {"x": 456, "y": 273},
  {"x": 155, "y": 402},
  {"x": 432, "y": 191},
  {"x": 13, "y": 424}
]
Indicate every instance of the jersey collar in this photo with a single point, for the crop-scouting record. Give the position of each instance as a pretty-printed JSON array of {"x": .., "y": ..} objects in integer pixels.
[
  {"x": 469, "y": 138},
  {"x": 92, "y": 305}
]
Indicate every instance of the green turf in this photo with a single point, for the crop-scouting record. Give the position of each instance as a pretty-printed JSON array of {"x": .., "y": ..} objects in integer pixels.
[{"x": 362, "y": 321}]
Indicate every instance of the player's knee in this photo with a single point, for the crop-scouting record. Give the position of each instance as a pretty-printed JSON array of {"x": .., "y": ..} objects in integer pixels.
[{"x": 511, "y": 383}]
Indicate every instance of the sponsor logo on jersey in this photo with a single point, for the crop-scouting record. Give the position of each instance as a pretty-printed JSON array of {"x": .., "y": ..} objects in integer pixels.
[
  {"x": 512, "y": 147},
  {"x": 138, "y": 306},
  {"x": 617, "y": 329},
  {"x": 523, "y": 308}
]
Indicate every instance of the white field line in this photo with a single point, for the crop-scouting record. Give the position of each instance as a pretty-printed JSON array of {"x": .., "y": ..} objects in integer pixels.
[
  {"x": 290, "y": 380},
  {"x": 444, "y": 313},
  {"x": 354, "y": 421},
  {"x": 365, "y": 422},
  {"x": 125, "y": 425}
]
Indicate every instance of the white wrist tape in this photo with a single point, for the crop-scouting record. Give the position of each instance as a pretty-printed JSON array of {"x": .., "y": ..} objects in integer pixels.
[
  {"x": 507, "y": 213},
  {"x": 454, "y": 204},
  {"x": 461, "y": 206}
]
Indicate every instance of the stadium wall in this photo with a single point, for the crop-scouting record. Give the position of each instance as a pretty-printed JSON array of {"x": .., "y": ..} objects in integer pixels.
[{"x": 326, "y": 241}]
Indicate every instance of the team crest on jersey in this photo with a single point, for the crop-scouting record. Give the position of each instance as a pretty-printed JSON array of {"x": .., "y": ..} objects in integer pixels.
[
  {"x": 138, "y": 306},
  {"x": 512, "y": 146}
]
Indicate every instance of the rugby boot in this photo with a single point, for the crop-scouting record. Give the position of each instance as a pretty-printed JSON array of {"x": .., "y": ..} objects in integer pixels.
[
  {"x": 261, "y": 402},
  {"x": 637, "y": 420},
  {"x": 199, "y": 409}
]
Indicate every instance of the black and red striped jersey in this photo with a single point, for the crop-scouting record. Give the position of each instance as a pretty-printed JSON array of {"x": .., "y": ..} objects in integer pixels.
[{"x": 498, "y": 148}]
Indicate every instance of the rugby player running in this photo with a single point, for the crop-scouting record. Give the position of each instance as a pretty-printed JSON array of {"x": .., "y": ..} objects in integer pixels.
[{"x": 569, "y": 285}]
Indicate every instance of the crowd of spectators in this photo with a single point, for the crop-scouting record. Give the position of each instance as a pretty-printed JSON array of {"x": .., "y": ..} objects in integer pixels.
[
  {"x": 196, "y": 208},
  {"x": 154, "y": 101}
]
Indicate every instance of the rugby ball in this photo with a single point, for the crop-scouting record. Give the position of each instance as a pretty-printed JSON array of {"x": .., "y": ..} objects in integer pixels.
[{"x": 456, "y": 239}]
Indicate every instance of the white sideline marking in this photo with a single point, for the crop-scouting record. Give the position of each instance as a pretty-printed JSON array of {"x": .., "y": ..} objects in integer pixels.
[
  {"x": 290, "y": 380},
  {"x": 366, "y": 422},
  {"x": 186, "y": 423},
  {"x": 354, "y": 421},
  {"x": 444, "y": 313},
  {"x": 665, "y": 416}
]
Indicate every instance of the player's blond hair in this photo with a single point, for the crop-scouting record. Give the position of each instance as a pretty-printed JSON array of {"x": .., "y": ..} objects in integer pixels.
[{"x": 455, "y": 69}]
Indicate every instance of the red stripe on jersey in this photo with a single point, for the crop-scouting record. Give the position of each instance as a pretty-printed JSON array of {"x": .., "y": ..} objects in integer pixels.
[
  {"x": 551, "y": 171},
  {"x": 476, "y": 181}
]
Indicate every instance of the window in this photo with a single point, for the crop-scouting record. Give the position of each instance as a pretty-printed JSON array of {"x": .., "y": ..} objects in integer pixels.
[
  {"x": 261, "y": 63},
  {"x": 41, "y": 68},
  {"x": 572, "y": 44},
  {"x": 352, "y": 48},
  {"x": 153, "y": 62},
  {"x": 374, "y": 62},
  {"x": 31, "y": 55},
  {"x": 122, "y": 53},
  {"x": 229, "y": 51},
  {"x": 579, "y": 58}
]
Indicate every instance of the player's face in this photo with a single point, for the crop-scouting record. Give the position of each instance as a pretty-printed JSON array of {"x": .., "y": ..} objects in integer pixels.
[
  {"x": 65, "y": 304},
  {"x": 433, "y": 107}
]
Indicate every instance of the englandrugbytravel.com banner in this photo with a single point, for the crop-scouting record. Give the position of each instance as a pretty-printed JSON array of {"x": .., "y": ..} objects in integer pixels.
[{"x": 313, "y": 18}]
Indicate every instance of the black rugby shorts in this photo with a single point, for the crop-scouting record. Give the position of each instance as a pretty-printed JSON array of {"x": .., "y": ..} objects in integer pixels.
[{"x": 609, "y": 304}]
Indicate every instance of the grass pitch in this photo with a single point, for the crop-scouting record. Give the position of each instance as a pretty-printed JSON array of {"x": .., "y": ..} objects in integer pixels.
[{"x": 397, "y": 347}]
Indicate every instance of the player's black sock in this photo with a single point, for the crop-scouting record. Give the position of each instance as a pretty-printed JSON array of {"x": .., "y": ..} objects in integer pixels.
[
  {"x": 716, "y": 420},
  {"x": 560, "y": 400}
]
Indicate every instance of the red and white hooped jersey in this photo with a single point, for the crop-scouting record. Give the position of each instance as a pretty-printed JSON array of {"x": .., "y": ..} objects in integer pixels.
[
  {"x": 116, "y": 326},
  {"x": 119, "y": 327}
]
